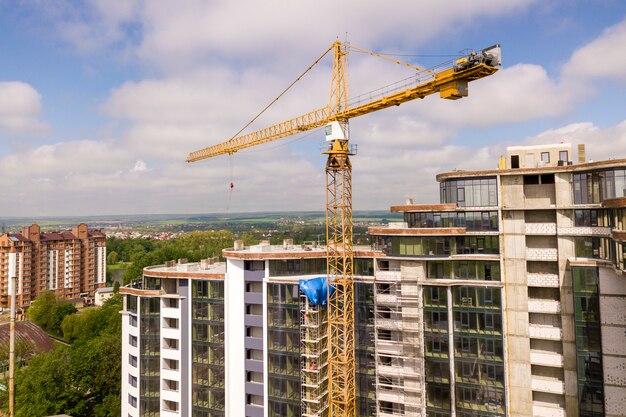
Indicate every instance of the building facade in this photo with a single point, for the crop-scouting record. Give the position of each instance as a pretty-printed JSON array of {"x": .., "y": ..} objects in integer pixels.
[
  {"x": 506, "y": 298},
  {"x": 71, "y": 263}
]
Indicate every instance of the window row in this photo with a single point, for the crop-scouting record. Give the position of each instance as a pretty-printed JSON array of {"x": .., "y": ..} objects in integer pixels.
[
  {"x": 290, "y": 267},
  {"x": 471, "y": 220},
  {"x": 478, "y": 192},
  {"x": 438, "y": 246},
  {"x": 596, "y": 186},
  {"x": 470, "y": 270},
  {"x": 466, "y": 296},
  {"x": 213, "y": 289}
]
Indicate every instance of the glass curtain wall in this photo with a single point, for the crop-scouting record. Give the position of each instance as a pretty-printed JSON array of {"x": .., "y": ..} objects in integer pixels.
[
  {"x": 207, "y": 348},
  {"x": 470, "y": 270},
  {"x": 478, "y": 351},
  {"x": 149, "y": 350},
  {"x": 293, "y": 267},
  {"x": 364, "y": 351},
  {"x": 473, "y": 221},
  {"x": 588, "y": 341},
  {"x": 283, "y": 322},
  {"x": 438, "y": 246},
  {"x": 595, "y": 186},
  {"x": 436, "y": 351},
  {"x": 470, "y": 192}
]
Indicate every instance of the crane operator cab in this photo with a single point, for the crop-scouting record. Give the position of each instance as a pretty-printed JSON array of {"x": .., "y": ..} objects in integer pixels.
[
  {"x": 337, "y": 135},
  {"x": 337, "y": 130}
]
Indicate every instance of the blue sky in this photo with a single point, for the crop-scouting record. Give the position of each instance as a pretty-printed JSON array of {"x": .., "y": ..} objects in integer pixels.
[{"x": 101, "y": 101}]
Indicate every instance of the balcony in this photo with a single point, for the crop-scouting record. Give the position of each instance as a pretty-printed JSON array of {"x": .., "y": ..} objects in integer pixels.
[
  {"x": 537, "y": 331},
  {"x": 542, "y": 254},
  {"x": 550, "y": 385},
  {"x": 391, "y": 395},
  {"x": 544, "y": 306},
  {"x": 541, "y": 228},
  {"x": 585, "y": 231},
  {"x": 544, "y": 358},
  {"x": 541, "y": 411},
  {"x": 388, "y": 323},
  {"x": 389, "y": 347},
  {"x": 543, "y": 280},
  {"x": 390, "y": 276},
  {"x": 386, "y": 298}
]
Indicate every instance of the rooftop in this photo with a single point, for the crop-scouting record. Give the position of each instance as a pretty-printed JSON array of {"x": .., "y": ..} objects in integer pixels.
[
  {"x": 37, "y": 339},
  {"x": 575, "y": 167},
  {"x": 287, "y": 250},
  {"x": 207, "y": 268}
]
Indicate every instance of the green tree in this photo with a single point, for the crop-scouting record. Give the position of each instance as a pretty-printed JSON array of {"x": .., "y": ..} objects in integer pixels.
[
  {"x": 94, "y": 322},
  {"x": 23, "y": 349},
  {"x": 113, "y": 258},
  {"x": 82, "y": 380},
  {"x": 94, "y": 370},
  {"x": 191, "y": 246},
  {"x": 47, "y": 311},
  {"x": 41, "y": 388}
]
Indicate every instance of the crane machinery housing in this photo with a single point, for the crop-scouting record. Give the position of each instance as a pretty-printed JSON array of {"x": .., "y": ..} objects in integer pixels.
[{"x": 450, "y": 80}]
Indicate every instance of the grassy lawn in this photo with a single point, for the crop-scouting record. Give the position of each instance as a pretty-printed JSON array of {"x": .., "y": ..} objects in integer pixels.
[{"x": 118, "y": 266}]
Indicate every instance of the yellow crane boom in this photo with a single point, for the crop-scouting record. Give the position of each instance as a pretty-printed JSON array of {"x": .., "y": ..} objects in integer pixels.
[{"x": 450, "y": 82}]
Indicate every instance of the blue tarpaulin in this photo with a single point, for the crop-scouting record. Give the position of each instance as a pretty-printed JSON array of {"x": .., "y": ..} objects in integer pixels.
[{"x": 316, "y": 290}]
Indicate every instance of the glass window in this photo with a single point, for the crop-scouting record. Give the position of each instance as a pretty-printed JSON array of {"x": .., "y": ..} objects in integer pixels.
[
  {"x": 465, "y": 319},
  {"x": 466, "y": 345},
  {"x": 460, "y": 195},
  {"x": 489, "y": 346},
  {"x": 488, "y": 296},
  {"x": 563, "y": 156},
  {"x": 470, "y": 192},
  {"x": 489, "y": 321},
  {"x": 545, "y": 156}
]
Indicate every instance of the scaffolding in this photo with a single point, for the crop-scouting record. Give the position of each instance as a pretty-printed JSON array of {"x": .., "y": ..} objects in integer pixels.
[
  {"x": 399, "y": 349},
  {"x": 313, "y": 359}
]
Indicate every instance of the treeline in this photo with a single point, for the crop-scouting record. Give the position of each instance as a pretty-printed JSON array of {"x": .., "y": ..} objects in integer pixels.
[
  {"x": 81, "y": 380},
  {"x": 141, "y": 253}
]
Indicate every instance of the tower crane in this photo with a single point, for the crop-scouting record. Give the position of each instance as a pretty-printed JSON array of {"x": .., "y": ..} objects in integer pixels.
[{"x": 450, "y": 81}]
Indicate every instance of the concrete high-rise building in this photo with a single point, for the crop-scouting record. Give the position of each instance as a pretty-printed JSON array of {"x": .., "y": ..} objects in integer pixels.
[
  {"x": 71, "y": 263},
  {"x": 506, "y": 298}
]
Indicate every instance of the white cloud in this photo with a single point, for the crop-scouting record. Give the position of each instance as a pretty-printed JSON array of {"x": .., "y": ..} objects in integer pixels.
[
  {"x": 264, "y": 31},
  {"x": 20, "y": 105},
  {"x": 62, "y": 160},
  {"x": 600, "y": 143},
  {"x": 140, "y": 166},
  {"x": 212, "y": 67},
  {"x": 178, "y": 35},
  {"x": 603, "y": 57},
  {"x": 515, "y": 94}
]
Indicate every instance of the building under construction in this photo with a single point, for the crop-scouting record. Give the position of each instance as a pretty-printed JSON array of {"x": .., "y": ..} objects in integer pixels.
[{"x": 506, "y": 298}]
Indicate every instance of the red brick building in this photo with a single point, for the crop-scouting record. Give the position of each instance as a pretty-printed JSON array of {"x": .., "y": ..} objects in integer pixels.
[{"x": 70, "y": 262}]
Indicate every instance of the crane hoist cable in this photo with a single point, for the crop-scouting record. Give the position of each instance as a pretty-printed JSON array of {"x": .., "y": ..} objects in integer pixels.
[{"x": 282, "y": 93}]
